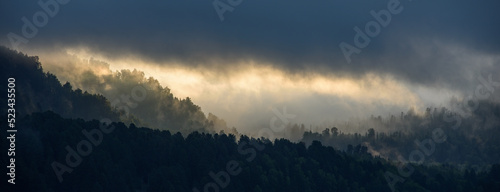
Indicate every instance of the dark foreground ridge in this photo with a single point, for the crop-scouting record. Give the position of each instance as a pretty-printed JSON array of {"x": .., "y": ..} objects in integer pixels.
[{"x": 125, "y": 158}]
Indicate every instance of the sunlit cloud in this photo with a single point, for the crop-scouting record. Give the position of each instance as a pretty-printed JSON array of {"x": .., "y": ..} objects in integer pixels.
[{"x": 243, "y": 93}]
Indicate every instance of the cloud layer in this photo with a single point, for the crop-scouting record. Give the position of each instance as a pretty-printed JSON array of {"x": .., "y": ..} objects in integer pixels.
[{"x": 279, "y": 52}]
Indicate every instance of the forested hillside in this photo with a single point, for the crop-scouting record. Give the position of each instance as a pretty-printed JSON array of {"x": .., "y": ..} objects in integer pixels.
[
  {"x": 38, "y": 91},
  {"x": 72, "y": 140},
  {"x": 128, "y": 158},
  {"x": 471, "y": 141},
  {"x": 134, "y": 99}
]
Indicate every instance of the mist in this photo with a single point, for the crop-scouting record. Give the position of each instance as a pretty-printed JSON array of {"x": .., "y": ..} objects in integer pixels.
[
  {"x": 285, "y": 95},
  {"x": 245, "y": 93},
  {"x": 240, "y": 71}
]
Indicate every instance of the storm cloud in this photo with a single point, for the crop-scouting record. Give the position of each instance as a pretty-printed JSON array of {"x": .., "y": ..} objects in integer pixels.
[{"x": 427, "y": 47}]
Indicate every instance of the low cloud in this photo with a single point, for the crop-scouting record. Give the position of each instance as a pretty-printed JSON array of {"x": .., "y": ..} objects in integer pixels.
[
  {"x": 272, "y": 54},
  {"x": 245, "y": 93}
]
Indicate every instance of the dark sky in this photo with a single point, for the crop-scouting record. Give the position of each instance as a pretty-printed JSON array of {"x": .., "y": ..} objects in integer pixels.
[
  {"x": 443, "y": 44},
  {"x": 292, "y": 34}
]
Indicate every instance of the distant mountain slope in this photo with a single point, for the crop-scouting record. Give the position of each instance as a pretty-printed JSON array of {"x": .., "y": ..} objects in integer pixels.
[
  {"x": 147, "y": 100},
  {"x": 39, "y": 91},
  {"x": 124, "y": 95},
  {"x": 471, "y": 140}
]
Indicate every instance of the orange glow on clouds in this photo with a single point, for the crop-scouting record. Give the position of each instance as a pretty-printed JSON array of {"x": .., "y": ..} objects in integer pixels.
[{"x": 230, "y": 92}]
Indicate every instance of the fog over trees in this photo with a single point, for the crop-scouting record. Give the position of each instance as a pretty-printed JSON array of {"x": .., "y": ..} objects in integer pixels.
[
  {"x": 151, "y": 140},
  {"x": 122, "y": 95}
]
